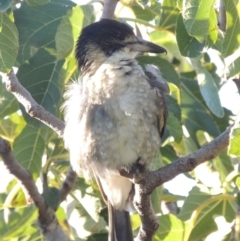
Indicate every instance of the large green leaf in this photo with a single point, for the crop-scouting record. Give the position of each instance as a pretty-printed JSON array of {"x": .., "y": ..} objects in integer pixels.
[
  {"x": 208, "y": 88},
  {"x": 5, "y": 4},
  {"x": 169, "y": 14},
  {"x": 213, "y": 28},
  {"x": 17, "y": 222},
  {"x": 232, "y": 36},
  {"x": 70, "y": 27},
  {"x": 38, "y": 25},
  {"x": 146, "y": 13},
  {"x": 188, "y": 45},
  {"x": 196, "y": 15},
  {"x": 8, "y": 42},
  {"x": 167, "y": 70},
  {"x": 195, "y": 115},
  {"x": 11, "y": 127},
  {"x": 29, "y": 147},
  {"x": 171, "y": 228},
  {"x": 200, "y": 208},
  {"x": 40, "y": 77},
  {"x": 88, "y": 207},
  {"x": 8, "y": 103},
  {"x": 174, "y": 119}
]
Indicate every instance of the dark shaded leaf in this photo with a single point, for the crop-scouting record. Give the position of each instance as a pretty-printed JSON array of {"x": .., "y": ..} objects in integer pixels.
[
  {"x": 208, "y": 88},
  {"x": 169, "y": 14},
  {"x": 8, "y": 42},
  {"x": 232, "y": 35},
  {"x": 167, "y": 70},
  {"x": 188, "y": 45},
  {"x": 38, "y": 26},
  {"x": 40, "y": 77},
  {"x": 29, "y": 147}
]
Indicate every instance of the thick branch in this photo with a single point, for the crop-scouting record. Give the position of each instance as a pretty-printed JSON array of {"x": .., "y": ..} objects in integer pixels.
[
  {"x": 109, "y": 8},
  {"x": 51, "y": 229},
  {"x": 142, "y": 203},
  {"x": 30, "y": 105}
]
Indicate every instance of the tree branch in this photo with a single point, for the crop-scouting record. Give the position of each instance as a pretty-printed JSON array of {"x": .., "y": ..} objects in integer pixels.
[
  {"x": 222, "y": 16},
  {"x": 38, "y": 112},
  {"x": 30, "y": 105},
  {"x": 186, "y": 164},
  {"x": 147, "y": 181},
  {"x": 109, "y": 8},
  {"x": 47, "y": 221},
  {"x": 68, "y": 184}
]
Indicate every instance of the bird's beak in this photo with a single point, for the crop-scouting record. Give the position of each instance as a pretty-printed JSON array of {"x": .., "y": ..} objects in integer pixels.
[{"x": 145, "y": 46}]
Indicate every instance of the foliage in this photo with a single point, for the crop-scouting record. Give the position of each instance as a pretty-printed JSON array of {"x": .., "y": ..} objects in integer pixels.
[{"x": 38, "y": 38}]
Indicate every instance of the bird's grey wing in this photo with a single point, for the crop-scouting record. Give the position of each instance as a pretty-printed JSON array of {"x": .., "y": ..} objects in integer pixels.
[{"x": 156, "y": 82}]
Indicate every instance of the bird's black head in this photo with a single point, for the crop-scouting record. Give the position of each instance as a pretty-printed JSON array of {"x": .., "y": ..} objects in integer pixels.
[{"x": 100, "y": 40}]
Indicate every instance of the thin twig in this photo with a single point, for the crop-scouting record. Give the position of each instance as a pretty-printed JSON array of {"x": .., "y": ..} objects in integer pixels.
[{"x": 68, "y": 183}]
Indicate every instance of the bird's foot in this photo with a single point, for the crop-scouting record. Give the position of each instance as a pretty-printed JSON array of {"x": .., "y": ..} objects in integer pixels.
[{"x": 135, "y": 172}]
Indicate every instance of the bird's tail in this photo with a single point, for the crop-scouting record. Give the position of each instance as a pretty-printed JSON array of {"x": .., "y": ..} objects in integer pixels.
[{"x": 120, "y": 228}]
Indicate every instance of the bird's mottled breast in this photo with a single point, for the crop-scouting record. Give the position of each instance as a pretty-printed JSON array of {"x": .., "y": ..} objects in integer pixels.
[{"x": 118, "y": 123}]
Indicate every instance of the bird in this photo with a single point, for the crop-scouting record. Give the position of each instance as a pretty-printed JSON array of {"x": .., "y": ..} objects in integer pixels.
[{"x": 115, "y": 114}]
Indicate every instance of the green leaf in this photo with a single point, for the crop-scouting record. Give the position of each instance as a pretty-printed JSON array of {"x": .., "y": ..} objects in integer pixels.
[
  {"x": 213, "y": 28},
  {"x": 174, "y": 127},
  {"x": 40, "y": 77},
  {"x": 233, "y": 68},
  {"x": 195, "y": 115},
  {"x": 145, "y": 13},
  {"x": 167, "y": 70},
  {"x": 88, "y": 207},
  {"x": 169, "y": 14},
  {"x": 168, "y": 40},
  {"x": 29, "y": 147},
  {"x": 196, "y": 15},
  {"x": 16, "y": 222},
  {"x": 234, "y": 147},
  {"x": 52, "y": 197},
  {"x": 201, "y": 208},
  {"x": 208, "y": 88},
  {"x": 232, "y": 35},
  {"x": 8, "y": 102},
  {"x": 172, "y": 228},
  {"x": 8, "y": 43},
  {"x": 188, "y": 45},
  {"x": 69, "y": 29},
  {"x": 223, "y": 164},
  {"x": 174, "y": 107},
  {"x": 36, "y": 2},
  {"x": 5, "y": 4},
  {"x": 38, "y": 26},
  {"x": 168, "y": 154},
  {"x": 11, "y": 127}
]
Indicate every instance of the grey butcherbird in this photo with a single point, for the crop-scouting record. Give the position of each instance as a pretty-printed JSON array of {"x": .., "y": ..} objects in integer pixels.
[{"x": 115, "y": 114}]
